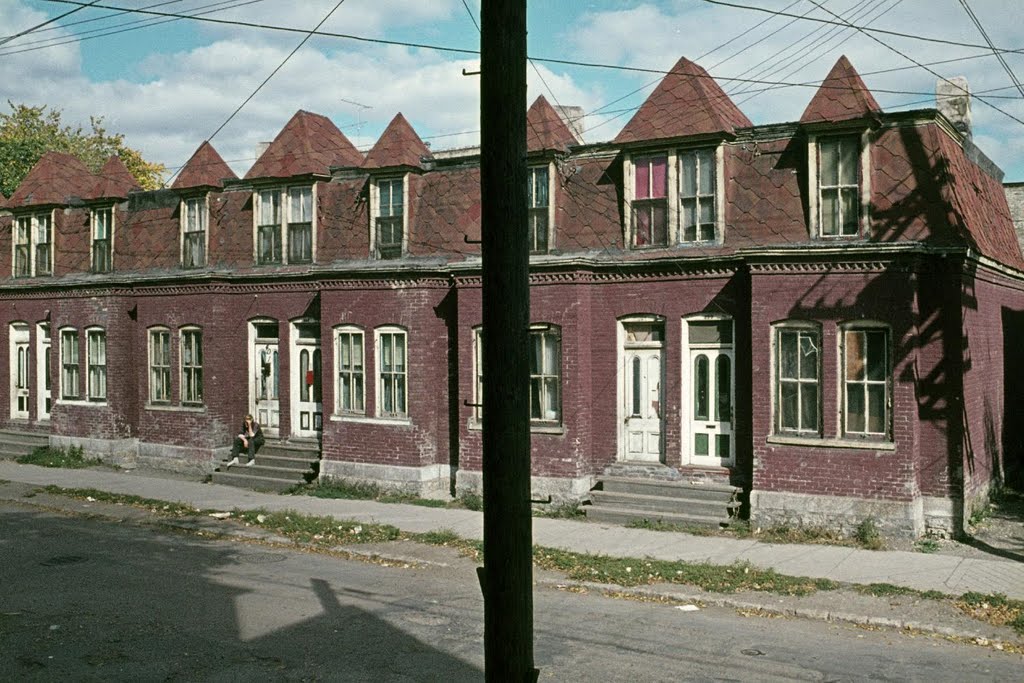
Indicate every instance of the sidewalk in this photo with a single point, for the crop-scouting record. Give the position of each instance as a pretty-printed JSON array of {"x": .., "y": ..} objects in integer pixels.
[{"x": 948, "y": 574}]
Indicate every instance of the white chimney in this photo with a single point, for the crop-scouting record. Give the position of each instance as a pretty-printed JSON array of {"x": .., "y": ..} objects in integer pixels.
[
  {"x": 953, "y": 100},
  {"x": 261, "y": 147},
  {"x": 572, "y": 116}
]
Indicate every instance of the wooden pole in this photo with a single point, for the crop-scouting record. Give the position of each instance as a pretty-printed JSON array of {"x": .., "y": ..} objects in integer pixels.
[{"x": 507, "y": 576}]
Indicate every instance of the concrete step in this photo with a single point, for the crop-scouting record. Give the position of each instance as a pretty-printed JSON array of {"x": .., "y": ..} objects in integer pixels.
[
  {"x": 613, "y": 515},
  {"x": 287, "y": 462},
  {"x": 291, "y": 449},
  {"x": 669, "y": 489},
  {"x": 10, "y": 437},
  {"x": 250, "y": 481},
  {"x": 262, "y": 469},
  {"x": 674, "y": 505}
]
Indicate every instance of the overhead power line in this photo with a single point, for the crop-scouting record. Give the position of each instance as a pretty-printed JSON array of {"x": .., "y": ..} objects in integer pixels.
[
  {"x": 47, "y": 22},
  {"x": 999, "y": 55}
]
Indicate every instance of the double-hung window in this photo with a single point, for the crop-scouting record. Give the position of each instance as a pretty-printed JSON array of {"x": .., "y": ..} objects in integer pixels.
[
  {"x": 390, "y": 220},
  {"x": 33, "y": 245},
  {"x": 69, "y": 389},
  {"x": 193, "y": 233},
  {"x": 797, "y": 379},
  {"x": 191, "y": 366},
  {"x": 102, "y": 232},
  {"x": 650, "y": 201},
  {"x": 351, "y": 372},
  {"x": 268, "y": 229},
  {"x": 300, "y": 225},
  {"x": 838, "y": 186},
  {"x": 159, "y": 366},
  {"x": 545, "y": 374},
  {"x": 537, "y": 192},
  {"x": 96, "y": 343},
  {"x": 866, "y": 385},
  {"x": 392, "y": 371},
  {"x": 478, "y": 373},
  {"x": 697, "y": 195}
]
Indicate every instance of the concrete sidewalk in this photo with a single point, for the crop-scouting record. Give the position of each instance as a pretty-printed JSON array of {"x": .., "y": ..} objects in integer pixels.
[{"x": 948, "y": 574}]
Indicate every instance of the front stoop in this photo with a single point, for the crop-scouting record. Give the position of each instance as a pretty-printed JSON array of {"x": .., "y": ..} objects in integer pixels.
[
  {"x": 625, "y": 500},
  {"x": 16, "y": 443},
  {"x": 280, "y": 465}
]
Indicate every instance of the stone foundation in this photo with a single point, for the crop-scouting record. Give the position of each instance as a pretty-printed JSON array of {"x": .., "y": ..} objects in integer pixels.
[
  {"x": 429, "y": 481},
  {"x": 131, "y": 453},
  {"x": 553, "y": 490}
]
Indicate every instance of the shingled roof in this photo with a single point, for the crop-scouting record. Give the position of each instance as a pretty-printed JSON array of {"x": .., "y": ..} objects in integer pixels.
[
  {"x": 842, "y": 96},
  {"x": 686, "y": 102},
  {"x": 55, "y": 179},
  {"x": 206, "y": 168},
  {"x": 545, "y": 129},
  {"x": 309, "y": 143},
  {"x": 398, "y": 145},
  {"x": 113, "y": 181}
]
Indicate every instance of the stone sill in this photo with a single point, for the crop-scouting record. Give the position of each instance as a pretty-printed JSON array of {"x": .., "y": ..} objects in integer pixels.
[
  {"x": 170, "y": 408},
  {"x": 817, "y": 442},
  {"x": 389, "y": 421}
]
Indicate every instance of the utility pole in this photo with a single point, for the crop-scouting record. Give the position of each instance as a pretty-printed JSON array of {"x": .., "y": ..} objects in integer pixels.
[{"x": 507, "y": 575}]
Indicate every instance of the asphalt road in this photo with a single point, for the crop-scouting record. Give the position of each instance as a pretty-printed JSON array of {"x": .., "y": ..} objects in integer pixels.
[{"x": 90, "y": 600}]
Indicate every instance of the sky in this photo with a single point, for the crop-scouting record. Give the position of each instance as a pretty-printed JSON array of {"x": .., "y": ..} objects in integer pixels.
[{"x": 170, "y": 83}]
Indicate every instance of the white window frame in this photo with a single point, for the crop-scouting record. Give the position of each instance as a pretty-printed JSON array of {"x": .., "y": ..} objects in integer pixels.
[
  {"x": 356, "y": 392},
  {"x": 381, "y": 336},
  {"x": 95, "y": 391},
  {"x": 375, "y": 214},
  {"x": 70, "y": 361},
  {"x": 478, "y": 374},
  {"x": 32, "y": 224},
  {"x": 800, "y": 328},
  {"x": 202, "y": 213},
  {"x": 162, "y": 368},
  {"x": 703, "y": 196},
  {"x": 547, "y": 333},
  {"x": 536, "y": 210},
  {"x": 863, "y": 180},
  {"x": 864, "y": 326},
  {"x": 283, "y": 225},
  {"x": 191, "y": 375},
  {"x": 95, "y": 222}
]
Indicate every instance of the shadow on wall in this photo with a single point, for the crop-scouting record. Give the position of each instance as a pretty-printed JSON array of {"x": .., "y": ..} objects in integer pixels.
[{"x": 1013, "y": 398}]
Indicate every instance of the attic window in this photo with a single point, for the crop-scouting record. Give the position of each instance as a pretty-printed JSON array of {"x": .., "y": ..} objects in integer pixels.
[
  {"x": 33, "y": 245},
  {"x": 193, "y": 232},
  {"x": 650, "y": 201},
  {"x": 102, "y": 239},
  {"x": 389, "y": 219},
  {"x": 838, "y": 187},
  {"x": 285, "y": 225}
]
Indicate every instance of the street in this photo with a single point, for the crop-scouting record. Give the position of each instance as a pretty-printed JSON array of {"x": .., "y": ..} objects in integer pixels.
[{"x": 83, "y": 599}]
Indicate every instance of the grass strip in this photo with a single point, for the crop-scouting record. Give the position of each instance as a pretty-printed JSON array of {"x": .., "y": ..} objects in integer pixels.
[{"x": 72, "y": 458}]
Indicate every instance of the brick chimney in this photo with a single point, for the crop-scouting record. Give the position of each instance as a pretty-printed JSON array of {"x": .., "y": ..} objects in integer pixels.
[{"x": 953, "y": 100}]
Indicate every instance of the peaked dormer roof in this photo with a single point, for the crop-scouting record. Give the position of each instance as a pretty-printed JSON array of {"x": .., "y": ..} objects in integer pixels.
[
  {"x": 842, "y": 96},
  {"x": 113, "y": 181},
  {"x": 398, "y": 145},
  {"x": 545, "y": 129},
  {"x": 206, "y": 168},
  {"x": 308, "y": 143},
  {"x": 55, "y": 179},
  {"x": 686, "y": 102}
]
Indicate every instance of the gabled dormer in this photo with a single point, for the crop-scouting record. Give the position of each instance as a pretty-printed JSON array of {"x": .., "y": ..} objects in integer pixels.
[
  {"x": 112, "y": 184},
  {"x": 284, "y": 187},
  {"x": 204, "y": 172},
  {"x": 838, "y": 123},
  {"x": 547, "y": 135},
  {"x": 674, "y": 162},
  {"x": 398, "y": 153}
]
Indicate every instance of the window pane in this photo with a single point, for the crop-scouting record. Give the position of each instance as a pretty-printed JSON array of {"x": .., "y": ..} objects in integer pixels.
[
  {"x": 689, "y": 220},
  {"x": 637, "y": 384},
  {"x": 399, "y": 353},
  {"x": 722, "y": 445},
  {"x": 270, "y": 201},
  {"x": 700, "y": 387},
  {"x": 809, "y": 406},
  {"x": 829, "y": 163},
  {"x": 855, "y": 355},
  {"x": 689, "y": 169},
  {"x": 659, "y": 177},
  {"x": 700, "y": 444},
  {"x": 808, "y": 356},
  {"x": 707, "y": 172},
  {"x": 855, "y": 408},
  {"x": 829, "y": 212},
  {"x": 847, "y": 162},
  {"x": 552, "y": 354},
  {"x": 552, "y": 401},
  {"x": 789, "y": 405},
  {"x": 539, "y": 187},
  {"x": 357, "y": 403},
  {"x": 710, "y": 331},
  {"x": 877, "y": 348},
  {"x": 788, "y": 358},
  {"x": 876, "y": 408},
  {"x": 642, "y": 170},
  {"x": 723, "y": 372},
  {"x": 849, "y": 206}
]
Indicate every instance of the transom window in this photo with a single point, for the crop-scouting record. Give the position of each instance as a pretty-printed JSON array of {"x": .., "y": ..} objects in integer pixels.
[
  {"x": 537, "y": 191},
  {"x": 351, "y": 390},
  {"x": 33, "y": 245},
  {"x": 69, "y": 376},
  {"x": 193, "y": 233},
  {"x": 102, "y": 230},
  {"x": 96, "y": 342},
  {"x": 392, "y": 370},
  {"x": 390, "y": 219},
  {"x": 798, "y": 388},
  {"x": 838, "y": 187},
  {"x": 697, "y": 195},
  {"x": 191, "y": 366},
  {"x": 650, "y": 201},
  {"x": 866, "y": 381},
  {"x": 284, "y": 227},
  {"x": 160, "y": 366}
]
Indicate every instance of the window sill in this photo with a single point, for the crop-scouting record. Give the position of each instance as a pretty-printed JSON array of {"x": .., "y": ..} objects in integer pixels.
[
  {"x": 362, "y": 419},
  {"x": 171, "y": 408},
  {"x": 819, "y": 442},
  {"x": 81, "y": 402},
  {"x": 476, "y": 426}
]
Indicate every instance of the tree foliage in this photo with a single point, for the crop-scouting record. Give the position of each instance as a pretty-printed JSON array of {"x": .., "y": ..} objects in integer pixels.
[{"x": 26, "y": 133}]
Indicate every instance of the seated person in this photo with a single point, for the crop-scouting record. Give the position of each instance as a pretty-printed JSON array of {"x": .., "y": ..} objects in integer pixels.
[{"x": 250, "y": 438}]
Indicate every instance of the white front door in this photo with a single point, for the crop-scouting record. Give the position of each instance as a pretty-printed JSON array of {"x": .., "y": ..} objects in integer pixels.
[
  {"x": 643, "y": 405},
  {"x": 711, "y": 407},
  {"x": 265, "y": 382},
  {"x": 306, "y": 392},
  {"x": 20, "y": 393},
  {"x": 43, "y": 385}
]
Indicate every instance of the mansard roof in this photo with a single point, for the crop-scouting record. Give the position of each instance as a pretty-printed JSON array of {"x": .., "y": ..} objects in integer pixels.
[
  {"x": 308, "y": 143},
  {"x": 113, "y": 181},
  {"x": 842, "y": 96},
  {"x": 686, "y": 102},
  {"x": 55, "y": 179},
  {"x": 545, "y": 129},
  {"x": 398, "y": 145},
  {"x": 206, "y": 168}
]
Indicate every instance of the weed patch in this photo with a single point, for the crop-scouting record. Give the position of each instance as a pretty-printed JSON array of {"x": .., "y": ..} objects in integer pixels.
[
  {"x": 471, "y": 501},
  {"x": 660, "y": 525},
  {"x": 868, "y": 536},
  {"x": 888, "y": 590},
  {"x": 72, "y": 458},
  {"x": 563, "y": 511},
  {"x": 351, "y": 490},
  {"x": 927, "y": 545},
  {"x": 994, "y": 608},
  {"x": 324, "y": 531},
  {"x": 162, "y": 507}
]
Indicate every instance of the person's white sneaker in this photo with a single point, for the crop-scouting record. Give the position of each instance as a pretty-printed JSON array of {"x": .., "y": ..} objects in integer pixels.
[
  {"x": 233, "y": 461},
  {"x": 251, "y": 463}
]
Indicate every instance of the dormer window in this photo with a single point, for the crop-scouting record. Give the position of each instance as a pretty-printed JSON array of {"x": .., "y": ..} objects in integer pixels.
[
  {"x": 697, "y": 195},
  {"x": 285, "y": 226},
  {"x": 538, "y": 191},
  {"x": 102, "y": 239},
  {"x": 389, "y": 218},
  {"x": 193, "y": 232},
  {"x": 650, "y": 201},
  {"x": 839, "y": 193},
  {"x": 33, "y": 245}
]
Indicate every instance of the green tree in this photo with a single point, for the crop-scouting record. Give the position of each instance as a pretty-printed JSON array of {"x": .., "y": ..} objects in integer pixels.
[{"x": 26, "y": 133}]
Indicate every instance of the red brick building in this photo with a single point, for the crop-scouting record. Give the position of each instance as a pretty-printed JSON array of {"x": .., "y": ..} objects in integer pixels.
[{"x": 825, "y": 312}]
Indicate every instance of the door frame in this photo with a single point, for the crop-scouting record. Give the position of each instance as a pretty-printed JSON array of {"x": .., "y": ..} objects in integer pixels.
[
  {"x": 20, "y": 334},
  {"x": 686, "y": 391},
  {"x": 295, "y": 346},
  {"x": 622, "y": 435},
  {"x": 251, "y": 380},
  {"x": 44, "y": 350}
]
